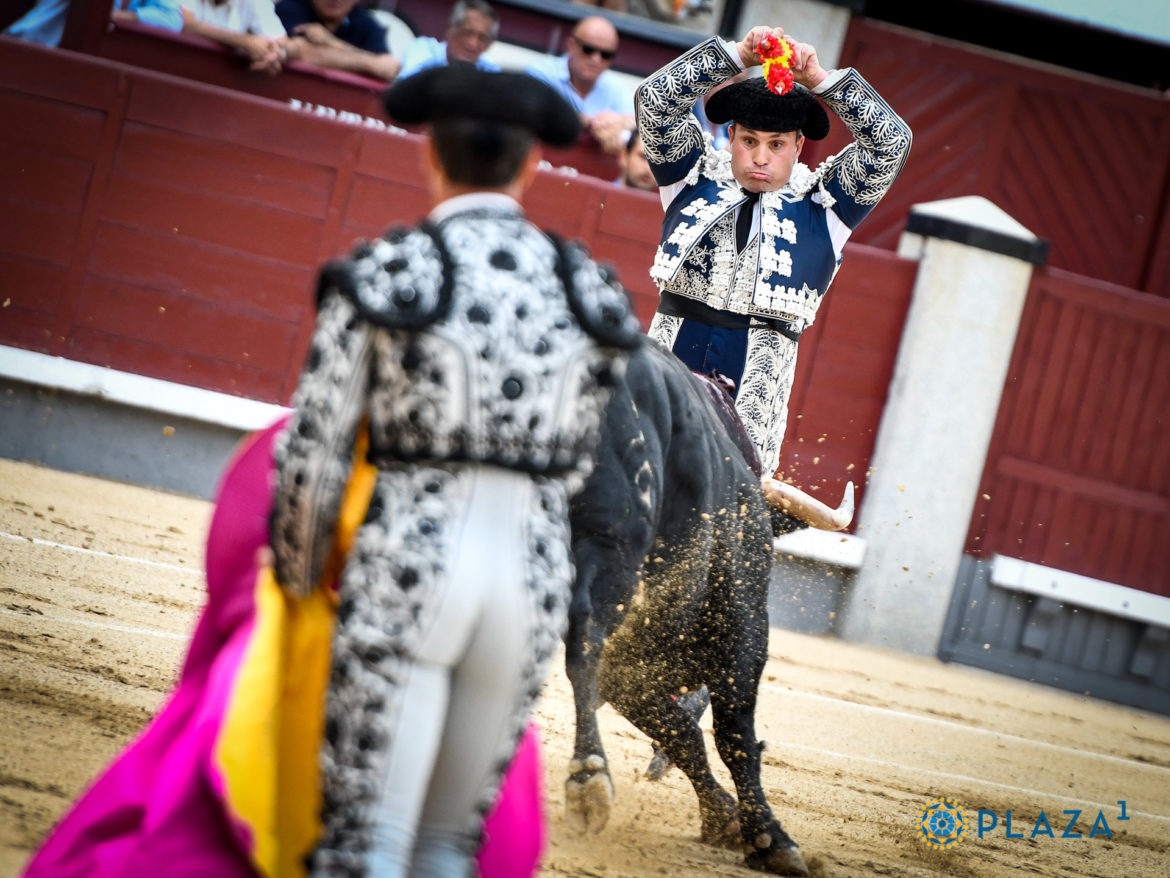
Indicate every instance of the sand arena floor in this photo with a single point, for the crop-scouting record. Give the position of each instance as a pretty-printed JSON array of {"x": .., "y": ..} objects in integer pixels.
[{"x": 100, "y": 585}]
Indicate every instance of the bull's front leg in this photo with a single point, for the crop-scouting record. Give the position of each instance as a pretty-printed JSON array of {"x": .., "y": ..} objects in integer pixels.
[{"x": 589, "y": 788}]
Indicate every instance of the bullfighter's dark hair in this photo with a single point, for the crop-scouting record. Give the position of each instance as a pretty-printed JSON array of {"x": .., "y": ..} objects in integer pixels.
[{"x": 475, "y": 152}]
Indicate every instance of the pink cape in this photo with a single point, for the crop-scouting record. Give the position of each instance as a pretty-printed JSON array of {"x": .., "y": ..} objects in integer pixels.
[{"x": 162, "y": 802}]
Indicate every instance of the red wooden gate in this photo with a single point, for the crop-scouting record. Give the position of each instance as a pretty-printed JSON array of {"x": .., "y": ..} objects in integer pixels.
[
  {"x": 1080, "y": 161},
  {"x": 1078, "y": 473}
]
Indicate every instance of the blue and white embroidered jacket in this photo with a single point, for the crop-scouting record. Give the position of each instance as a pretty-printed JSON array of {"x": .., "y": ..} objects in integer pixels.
[{"x": 785, "y": 270}]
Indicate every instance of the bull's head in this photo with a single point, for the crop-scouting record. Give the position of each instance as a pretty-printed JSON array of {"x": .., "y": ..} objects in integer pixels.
[{"x": 790, "y": 500}]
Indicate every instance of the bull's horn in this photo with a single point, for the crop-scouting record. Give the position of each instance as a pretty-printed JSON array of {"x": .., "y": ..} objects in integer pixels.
[{"x": 795, "y": 502}]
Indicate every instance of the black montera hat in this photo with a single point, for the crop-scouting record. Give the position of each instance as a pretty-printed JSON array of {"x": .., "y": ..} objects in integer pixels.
[
  {"x": 751, "y": 103},
  {"x": 460, "y": 91}
]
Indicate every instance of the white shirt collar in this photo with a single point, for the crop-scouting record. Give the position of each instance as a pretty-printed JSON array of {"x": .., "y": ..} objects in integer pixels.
[{"x": 474, "y": 201}]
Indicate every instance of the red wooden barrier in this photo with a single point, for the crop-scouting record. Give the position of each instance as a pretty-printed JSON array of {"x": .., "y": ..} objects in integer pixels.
[
  {"x": 1080, "y": 161},
  {"x": 170, "y": 228},
  {"x": 843, "y": 373},
  {"x": 173, "y": 229},
  {"x": 202, "y": 60},
  {"x": 1078, "y": 473}
]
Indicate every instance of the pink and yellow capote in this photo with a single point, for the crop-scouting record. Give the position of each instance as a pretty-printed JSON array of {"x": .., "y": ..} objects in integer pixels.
[{"x": 224, "y": 780}]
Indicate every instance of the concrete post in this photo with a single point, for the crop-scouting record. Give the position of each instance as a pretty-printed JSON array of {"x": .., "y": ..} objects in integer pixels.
[{"x": 975, "y": 264}]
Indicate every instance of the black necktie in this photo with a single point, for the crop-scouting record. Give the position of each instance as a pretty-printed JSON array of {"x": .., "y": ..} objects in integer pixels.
[{"x": 743, "y": 223}]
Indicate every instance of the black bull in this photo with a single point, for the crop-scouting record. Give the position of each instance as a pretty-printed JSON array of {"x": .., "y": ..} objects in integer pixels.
[{"x": 673, "y": 544}]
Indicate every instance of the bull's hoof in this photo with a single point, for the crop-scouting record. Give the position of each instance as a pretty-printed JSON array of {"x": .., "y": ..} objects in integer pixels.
[
  {"x": 659, "y": 765},
  {"x": 778, "y": 861},
  {"x": 721, "y": 823},
  {"x": 588, "y": 795}
]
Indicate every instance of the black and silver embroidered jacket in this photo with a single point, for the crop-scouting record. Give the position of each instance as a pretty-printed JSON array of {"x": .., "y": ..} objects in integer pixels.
[
  {"x": 479, "y": 339},
  {"x": 784, "y": 273}
]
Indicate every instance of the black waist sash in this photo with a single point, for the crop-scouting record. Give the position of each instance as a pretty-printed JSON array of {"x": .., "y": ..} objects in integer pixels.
[{"x": 674, "y": 305}]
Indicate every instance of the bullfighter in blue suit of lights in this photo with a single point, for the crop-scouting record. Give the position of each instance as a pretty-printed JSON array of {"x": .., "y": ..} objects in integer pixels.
[{"x": 736, "y": 293}]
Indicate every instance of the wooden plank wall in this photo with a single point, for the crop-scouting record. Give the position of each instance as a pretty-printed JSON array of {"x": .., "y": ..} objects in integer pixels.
[
  {"x": 1078, "y": 160},
  {"x": 843, "y": 373},
  {"x": 1078, "y": 473},
  {"x": 170, "y": 228},
  {"x": 329, "y": 91}
]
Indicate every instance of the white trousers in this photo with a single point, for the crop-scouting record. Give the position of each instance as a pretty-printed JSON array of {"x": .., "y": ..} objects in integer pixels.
[{"x": 452, "y": 604}]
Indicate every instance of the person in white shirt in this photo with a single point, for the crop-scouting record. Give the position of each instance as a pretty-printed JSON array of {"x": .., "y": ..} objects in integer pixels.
[
  {"x": 583, "y": 78},
  {"x": 248, "y": 26}
]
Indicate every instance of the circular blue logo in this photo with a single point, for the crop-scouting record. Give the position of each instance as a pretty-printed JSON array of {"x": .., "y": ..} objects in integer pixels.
[{"x": 942, "y": 824}]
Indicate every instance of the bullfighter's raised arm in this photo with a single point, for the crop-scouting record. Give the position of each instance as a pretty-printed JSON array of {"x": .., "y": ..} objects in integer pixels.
[
  {"x": 664, "y": 101},
  {"x": 751, "y": 237},
  {"x": 859, "y": 175}
]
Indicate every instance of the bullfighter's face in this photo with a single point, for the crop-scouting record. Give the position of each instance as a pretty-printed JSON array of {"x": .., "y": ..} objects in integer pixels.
[{"x": 762, "y": 160}]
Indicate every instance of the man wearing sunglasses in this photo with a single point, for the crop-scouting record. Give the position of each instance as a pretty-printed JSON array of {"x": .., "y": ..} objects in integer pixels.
[{"x": 582, "y": 76}]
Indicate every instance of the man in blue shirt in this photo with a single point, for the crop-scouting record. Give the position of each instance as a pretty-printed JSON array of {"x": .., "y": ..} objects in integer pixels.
[
  {"x": 157, "y": 13},
  {"x": 43, "y": 23},
  {"x": 338, "y": 35},
  {"x": 583, "y": 78},
  {"x": 471, "y": 30}
]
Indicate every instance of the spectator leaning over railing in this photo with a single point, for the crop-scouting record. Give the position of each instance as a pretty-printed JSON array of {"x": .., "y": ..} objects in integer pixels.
[
  {"x": 41, "y": 22},
  {"x": 583, "y": 78},
  {"x": 471, "y": 30},
  {"x": 337, "y": 35},
  {"x": 248, "y": 26},
  {"x": 157, "y": 13}
]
